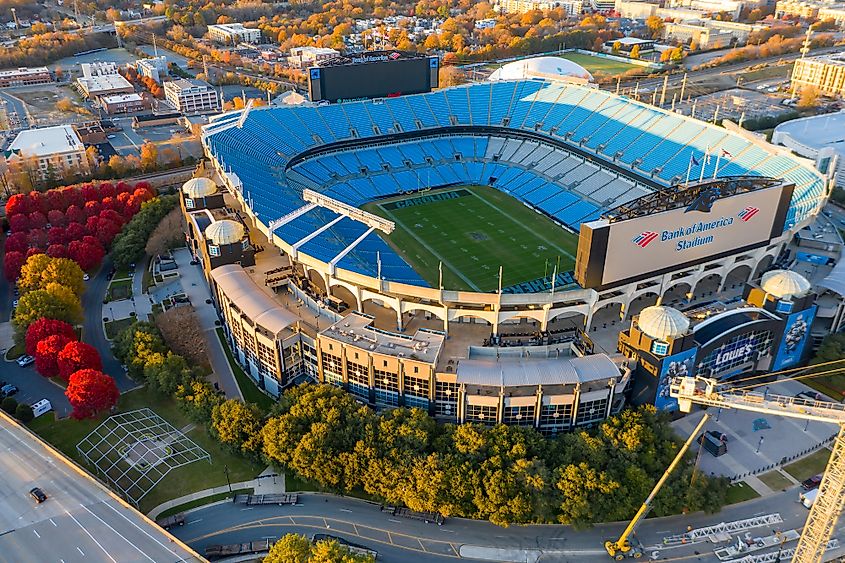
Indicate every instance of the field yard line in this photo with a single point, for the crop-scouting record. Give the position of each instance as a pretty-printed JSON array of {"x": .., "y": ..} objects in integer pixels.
[
  {"x": 535, "y": 233},
  {"x": 433, "y": 253}
]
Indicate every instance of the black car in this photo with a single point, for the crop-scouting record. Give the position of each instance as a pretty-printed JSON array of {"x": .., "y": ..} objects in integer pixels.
[
  {"x": 812, "y": 483},
  {"x": 37, "y": 495}
]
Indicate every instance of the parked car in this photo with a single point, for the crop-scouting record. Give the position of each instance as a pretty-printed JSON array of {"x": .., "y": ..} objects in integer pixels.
[
  {"x": 86, "y": 277},
  {"x": 37, "y": 495},
  {"x": 8, "y": 390},
  {"x": 24, "y": 361},
  {"x": 812, "y": 483}
]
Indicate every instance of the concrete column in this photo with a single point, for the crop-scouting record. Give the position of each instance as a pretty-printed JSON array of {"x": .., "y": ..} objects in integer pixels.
[
  {"x": 575, "y": 405},
  {"x": 544, "y": 324},
  {"x": 500, "y": 416},
  {"x": 446, "y": 319},
  {"x": 538, "y": 407}
]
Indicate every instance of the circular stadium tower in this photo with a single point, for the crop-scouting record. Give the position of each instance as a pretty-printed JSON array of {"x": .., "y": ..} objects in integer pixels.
[{"x": 466, "y": 204}]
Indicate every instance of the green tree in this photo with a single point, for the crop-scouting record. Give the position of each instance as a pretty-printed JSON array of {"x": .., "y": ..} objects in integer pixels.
[
  {"x": 129, "y": 245},
  {"x": 197, "y": 400},
  {"x": 238, "y": 426},
  {"x": 165, "y": 372},
  {"x": 24, "y": 413},
  {"x": 9, "y": 404},
  {"x": 55, "y": 301}
]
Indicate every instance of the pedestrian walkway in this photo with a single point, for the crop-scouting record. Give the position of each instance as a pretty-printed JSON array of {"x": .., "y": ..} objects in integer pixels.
[{"x": 268, "y": 482}]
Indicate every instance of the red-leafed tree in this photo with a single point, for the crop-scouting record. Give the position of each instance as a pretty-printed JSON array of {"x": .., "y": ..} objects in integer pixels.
[
  {"x": 75, "y": 231},
  {"x": 55, "y": 200},
  {"x": 37, "y": 238},
  {"x": 74, "y": 214},
  {"x": 56, "y": 218},
  {"x": 76, "y": 356},
  {"x": 57, "y": 235},
  {"x": 73, "y": 196},
  {"x": 87, "y": 255},
  {"x": 19, "y": 223},
  {"x": 32, "y": 251},
  {"x": 90, "y": 391},
  {"x": 18, "y": 203},
  {"x": 43, "y": 328},
  {"x": 57, "y": 251},
  {"x": 17, "y": 242},
  {"x": 111, "y": 215},
  {"x": 12, "y": 264},
  {"x": 37, "y": 220},
  {"x": 47, "y": 354},
  {"x": 106, "y": 189},
  {"x": 90, "y": 193},
  {"x": 106, "y": 231},
  {"x": 92, "y": 208}
]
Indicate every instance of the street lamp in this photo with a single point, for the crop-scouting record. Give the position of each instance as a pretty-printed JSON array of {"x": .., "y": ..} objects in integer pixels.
[
  {"x": 226, "y": 471},
  {"x": 760, "y": 443}
]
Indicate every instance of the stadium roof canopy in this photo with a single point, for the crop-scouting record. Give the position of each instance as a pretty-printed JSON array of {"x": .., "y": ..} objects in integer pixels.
[
  {"x": 548, "y": 371},
  {"x": 553, "y": 68},
  {"x": 255, "y": 304}
]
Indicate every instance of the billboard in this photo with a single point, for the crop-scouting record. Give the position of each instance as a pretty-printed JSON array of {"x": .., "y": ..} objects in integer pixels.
[
  {"x": 373, "y": 75},
  {"x": 796, "y": 333},
  {"x": 681, "y": 364},
  {"x": 612, "y": 253}
]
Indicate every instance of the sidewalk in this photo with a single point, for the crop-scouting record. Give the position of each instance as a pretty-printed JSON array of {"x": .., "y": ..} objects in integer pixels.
[{"x": 264, "y": 484}]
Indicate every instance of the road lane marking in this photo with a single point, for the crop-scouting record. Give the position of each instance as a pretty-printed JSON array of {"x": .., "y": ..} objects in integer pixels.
[
  {"x": 195, "y": 521},
  {"x": 53, "y": 523},
  {"x": 250, "y": 508},
  {"x": 392, "y": 520},
  {"x": 37, "y": 535},
  {"x": 118, "y": 533},
  {"x": 344, "y": 510},
  {"x": 179, "y": 557},
  {"x": 447, "y": 531},
  {"x": 90, "y": 536}
]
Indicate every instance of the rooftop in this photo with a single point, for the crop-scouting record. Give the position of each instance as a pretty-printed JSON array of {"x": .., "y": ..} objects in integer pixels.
[
  {"x": 122, "y": 98},
  {"x": 23, "y": 71},
  {"x": 187, "y": 84},
  {"x": 818, "y": 131},
  {"x": 547, "y": 371},
  {"x": 47, "y": 141},
  {"x": 103, "y": 82},
  {"x": 262, "y": 309},
  {"x": 423, "y": 346},
  {"x": 230, "y": 27}
]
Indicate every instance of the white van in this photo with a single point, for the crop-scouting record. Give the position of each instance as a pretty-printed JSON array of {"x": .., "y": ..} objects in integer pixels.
[
  {"x": 41, "y": 407},
  {"x": 808, "y": 498}
]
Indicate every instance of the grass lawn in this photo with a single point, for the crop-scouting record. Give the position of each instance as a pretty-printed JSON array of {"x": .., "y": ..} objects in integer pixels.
[
  {"x": 121, "y": 274},
  {"x": 202, "y": 502},
  {"x": 113, "y": 328},
  {"x": 831, "y": 385},
  {"x": 473, "y": 231},
  {"x": 808, "y": 466},
  {"x": 65, "y": 434},
  {"x": 739, "y": 492},
  {"x": 121, "y": 289},
  {"x": 251, "y": 393},
  {"x": 15, "y": 351},
  {"x": 775, "y": 480},
  {"x": 600, "y": 64}
]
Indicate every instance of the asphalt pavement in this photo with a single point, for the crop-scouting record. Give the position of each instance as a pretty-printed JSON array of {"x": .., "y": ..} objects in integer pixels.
[
  {"x": 79, "y": 522},
  {"x": 92, "y": 307},
  {"x": 400, "y": 540}
]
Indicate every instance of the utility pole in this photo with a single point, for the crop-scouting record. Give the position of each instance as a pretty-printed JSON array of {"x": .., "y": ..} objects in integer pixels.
[
  {"x": 683, "y": 85},
  {"x": 663, "y": 93},
  {"x": 805, "y": 48}
]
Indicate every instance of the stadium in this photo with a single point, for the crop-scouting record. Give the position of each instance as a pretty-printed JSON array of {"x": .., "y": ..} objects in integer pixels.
[{"x": 469, "y": 207}]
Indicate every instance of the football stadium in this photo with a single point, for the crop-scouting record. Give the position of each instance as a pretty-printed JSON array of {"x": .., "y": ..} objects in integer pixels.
[{"x": 458, "y": 237}]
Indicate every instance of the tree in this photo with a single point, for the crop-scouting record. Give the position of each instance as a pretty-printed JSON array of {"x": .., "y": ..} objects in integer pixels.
[
  {"x": 88, "y": 255},
  {"x": 809, "y": 97},
  {"x": 238, "y": 426},
  {"x": 12, "y": 263},
  {"x": 182, "y": 332},
  {"x": 43, "y": 328},
  {"x": 54, "y": 302},
  {"x": 165, "y": 372},
  {"x": 9, "y": 404},
  {"x": 42, "y": 270},
  {"x": 655, "y": 26},
  {"x": 24, "y": 413},
  {"x": 149, "y": 156},
  {"x": 635, "y": 52},
  {"x": 66, "y": 105},
  {"x": 89, "y": 392},
  {"x": 76, "y": 356},
  {"x": 47, "y": 354},
  {"x": 197, "y": 400},
  {"x": 167, "y": 234},
  {"x": 295, "y": 548}
]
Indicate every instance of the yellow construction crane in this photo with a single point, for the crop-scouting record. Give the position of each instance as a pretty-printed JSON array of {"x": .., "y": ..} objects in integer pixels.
[
  {"x": 622, "y": 548},
  {"x": 831, "y": 496}
]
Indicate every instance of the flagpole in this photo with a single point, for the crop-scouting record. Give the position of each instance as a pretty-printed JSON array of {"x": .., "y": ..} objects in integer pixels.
[
  {"x": 716, "y": 170},
  {"x": 500, "y": 280},
  {"x": 554, "y": 279},
  {"x": 704, "y": 164},
  {"x": 689, "y": 167},
  {"x": 440, "y": 270}
]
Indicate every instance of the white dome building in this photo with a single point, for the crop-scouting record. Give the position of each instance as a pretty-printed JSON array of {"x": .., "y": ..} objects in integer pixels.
[
  {"x": 784, "y": 284},
  {"x": 552, "y": 68},
  {"x": 662, "y": 323},
  {"x": 224, "y": 232},
  {"x": 197, "y": 188}
]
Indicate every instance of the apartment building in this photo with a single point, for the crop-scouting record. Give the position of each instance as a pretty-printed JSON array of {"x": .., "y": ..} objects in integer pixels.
[
  {"x": 233, "y": 33},
  {"x": 192, "y": 96},
  {"x": 827, "y": 73},
  {"x": 48, "y": 151}
]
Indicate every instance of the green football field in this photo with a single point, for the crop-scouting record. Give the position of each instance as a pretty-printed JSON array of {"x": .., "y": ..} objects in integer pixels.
[
  {"x": 600, "y": 64},
  {"x": 473, "y": 230}
]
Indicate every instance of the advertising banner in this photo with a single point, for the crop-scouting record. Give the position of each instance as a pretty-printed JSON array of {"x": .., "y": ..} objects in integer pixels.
[
  {"x": 681, "y": 364},
  {"x": 796, "y": 333},
  {"x": 812, "y": 258}
]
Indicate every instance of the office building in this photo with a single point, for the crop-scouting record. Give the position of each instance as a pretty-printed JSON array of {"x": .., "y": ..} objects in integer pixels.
[
  {"x": 304, "y": 57},
  {"x": 827, "y": 73},
  {"x": 25, "y": 76},
  {"x": 124, "y": 103},
  {"x": 571, "y": 7},
  {"x": 191, "y": 96},
  {"x": 155, "y": 68}
]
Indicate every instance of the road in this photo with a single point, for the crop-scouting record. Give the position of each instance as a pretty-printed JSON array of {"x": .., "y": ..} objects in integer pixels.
[
  {"x": 92, "y": 307},
  {"x": 15, "y": 105},
  {"x": 80, "y": 521},
  {"x": 399, "y": 540}
]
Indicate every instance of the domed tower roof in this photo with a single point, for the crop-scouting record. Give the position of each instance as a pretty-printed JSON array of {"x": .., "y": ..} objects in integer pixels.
[
  {"x": 784, "y": 284},
  {"x": 224, "y": 231},
  {"x": 554, "y": 68},
  {"x": 199, "y": 187},
  {"x": 663, "y": 322}
]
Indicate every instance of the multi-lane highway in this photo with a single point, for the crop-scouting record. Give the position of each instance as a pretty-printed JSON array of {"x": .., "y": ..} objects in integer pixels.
[{"x": 80, "y": 520}]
